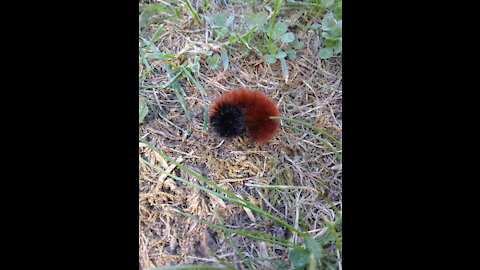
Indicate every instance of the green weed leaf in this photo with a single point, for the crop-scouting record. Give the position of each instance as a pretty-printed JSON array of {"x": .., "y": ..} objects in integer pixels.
[
  {"x": 278, "y": 30},
  {"x": 338, "y": 47},
  {"x": 329, "y": 42},
  {"x": 283, "y": 65},
  {"x": 336, "y": 31},
  {"x": 299, "y": 257},
  {"x": 229, "y": 21},
  {"x": 269, "y": 8},
  {"x": 280, "y": 54},
  {"x": 219, "y": 20},
  {"x": 156, "y": 56},
  {"x": 272, "y": 49},
  {"x": 225, "y": 62},
  {"x": 288, "y": 37},
  {"x": 291, "y": 53},
  {"x": 314, "y": 247},
  {"x": 212, "y": 61},
  {"x": 259, "y": 19},
  {"x": 328, "y": 21},
  {"x": 224, "y": 31},
  {"x": 326, "y": 53},
  {"x": 142, "y": 110},
  {"x": 337, "y": 9},
  {"x": 327, "y": 3},
  {"x": 270, "y": 59},
  {"x": 298, "y": 44}
]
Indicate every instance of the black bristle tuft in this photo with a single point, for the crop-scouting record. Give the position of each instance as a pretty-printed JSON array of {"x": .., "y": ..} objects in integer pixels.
[{"x": 228, "y": 121}]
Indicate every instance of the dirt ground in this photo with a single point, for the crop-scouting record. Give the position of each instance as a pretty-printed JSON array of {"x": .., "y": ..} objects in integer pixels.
[{"x": 312, "y": 93}]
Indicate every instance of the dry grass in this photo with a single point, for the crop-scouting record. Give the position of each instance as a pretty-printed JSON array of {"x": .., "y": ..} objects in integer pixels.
[{"x": 313, "y": 93}]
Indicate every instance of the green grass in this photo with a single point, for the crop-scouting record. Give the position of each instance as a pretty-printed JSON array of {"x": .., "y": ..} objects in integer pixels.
[
  {"x": 192, "y": 10},
  {"x": 298, "y": 255},
  {"x": 231, "y": 197},
  {"x": 266, "y": 35},
  {"x": 237, "y": 250},
  {"x": 278, "y": 5},
  {"x": 150, "y": 44},
  {"x": 326, "y": 143},
  {"x": 202, "y": 93}
]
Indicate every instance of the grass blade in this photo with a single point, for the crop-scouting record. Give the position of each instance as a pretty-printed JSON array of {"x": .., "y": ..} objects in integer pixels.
[
  {"x": 232, "y": 242},
  {"x": 242, "y": 41},
  {"x": 172, "y": 80},
  {"x": 151, "y": 10},
  {"x": 181, "y": 101},
  {"x": 177, "y": 89},
  {"x": 156, "y": 7},
  {"x": 278, "y": 5},
  {"x": 176, "y": 84},
  {"x": 194, "y": 13},
  {"x": 143, "y": 110},
  {"x": 169, "y": 122},
  {"x": 202, "y": 93},
  {"x": 149, "y": 69},
  {"x": 302, "y": 4},
  {"x": 237, "y": 200},
  {"x": 241, "y": 38},
  {"x": 338, "y": 241},
  {"x": 308, "y": 125},
  {"x": 163, "y": 117},
  {"x": 282, "y": 187},
  {"x": 246, "y": 233},
  {"x": 279, "y": 264},
  {"x": 224, "y": 55},
  {"x": 327, "y": 144},
  {"x": 283, "y": 65},
  {"x": 150, "y": 44},
  {"x": 196, "y": 66}
]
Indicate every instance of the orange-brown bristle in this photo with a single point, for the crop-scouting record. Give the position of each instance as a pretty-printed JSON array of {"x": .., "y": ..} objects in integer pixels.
[{"x": 255, "y": 107}]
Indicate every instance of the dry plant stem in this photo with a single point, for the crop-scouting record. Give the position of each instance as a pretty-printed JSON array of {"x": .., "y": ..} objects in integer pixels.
[
  {"x": 284, "y": 187},
  {"x": 236, "y": 199},
  {"x": 170, "y": 169},
  {"x": 247, "y": 233}
]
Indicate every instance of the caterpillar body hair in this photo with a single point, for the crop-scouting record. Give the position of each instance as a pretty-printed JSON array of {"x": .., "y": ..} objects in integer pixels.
[{"x": 244, "y": 110}]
